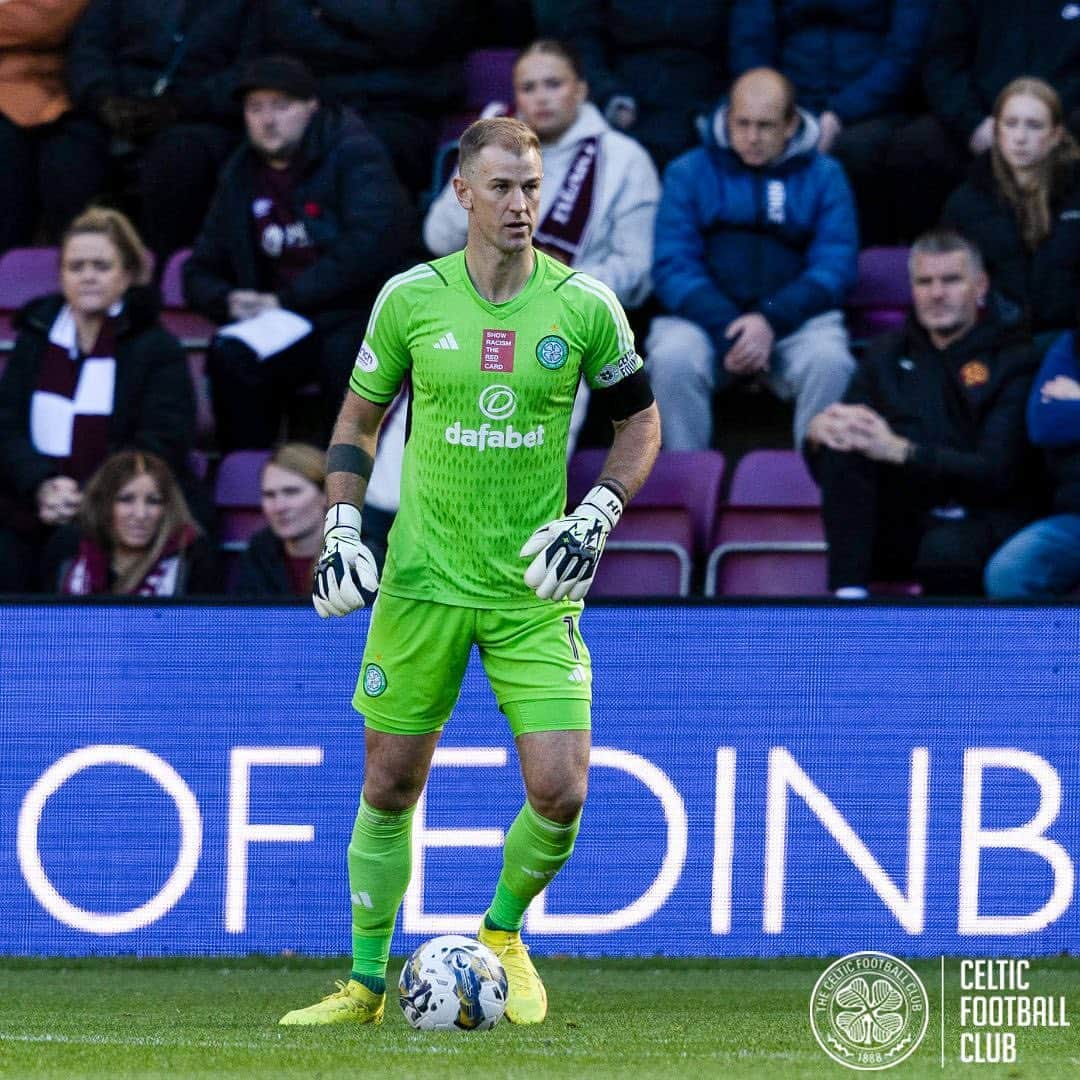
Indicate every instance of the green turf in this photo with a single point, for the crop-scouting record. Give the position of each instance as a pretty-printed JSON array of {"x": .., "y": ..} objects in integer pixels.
[{"x": 691, "y": 1020}]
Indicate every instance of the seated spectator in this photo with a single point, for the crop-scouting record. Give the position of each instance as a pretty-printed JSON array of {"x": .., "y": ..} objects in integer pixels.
[
  {"x": 854, "y": 64},
  {"x": 756, "y": 246},
  {"x": 653, "y": 69},
  {"x": 152, "y": 85},
  {"x": 34, "y": 115},
  {"x": 279, "y": 558},
  {"x": 975, "y": 49},
  {"x": 309, "y": 218},
  {"x": 922, "y": 465},
  {"x": 1021, "y": 207},
  {"x": 600, "y": 191},
  {"x": 134, "y": 536},
  {"x": 92, "y": 372},
  {"x": 398, "y": 65},
  {"x": 1043, "y": 560}
]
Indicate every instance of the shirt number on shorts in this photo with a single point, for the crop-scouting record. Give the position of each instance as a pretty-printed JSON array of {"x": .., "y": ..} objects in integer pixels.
[{"x": 569, "y": 620}]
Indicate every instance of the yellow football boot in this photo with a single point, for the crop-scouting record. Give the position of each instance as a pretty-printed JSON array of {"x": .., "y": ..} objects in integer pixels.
[
  {"x": 351, "y": 1003},
  {"x": 526, "y": 1002}
]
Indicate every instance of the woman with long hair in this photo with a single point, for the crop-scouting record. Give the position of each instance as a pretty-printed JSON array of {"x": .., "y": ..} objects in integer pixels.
[
  {"x": 1021, "y": 207},
  {"x": 279, "y": 558},
  {"x": 134, "y": 536},
  {"x": 92, "y": 372}
]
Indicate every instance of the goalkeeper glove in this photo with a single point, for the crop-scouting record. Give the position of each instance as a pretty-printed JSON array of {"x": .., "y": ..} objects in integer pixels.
[
  {"x": 567, "y": 550},
  {"x": 345, "y": 576}
]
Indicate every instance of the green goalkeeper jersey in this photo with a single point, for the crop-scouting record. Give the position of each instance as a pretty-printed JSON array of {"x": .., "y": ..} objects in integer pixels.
[{"x": 493, "y": 388}]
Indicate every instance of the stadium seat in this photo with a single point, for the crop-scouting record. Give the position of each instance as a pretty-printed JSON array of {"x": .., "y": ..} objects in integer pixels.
[
  {"x": 237, "y": 497},
  {"x": 652, "y": 552},
  {"x": 25, "y": 273},
  {"x": 882, "y": 292},
  {"x": 489, "y": 76},
  {"x": 191, "y": 328},
  {"x": 769, "y": 539}
]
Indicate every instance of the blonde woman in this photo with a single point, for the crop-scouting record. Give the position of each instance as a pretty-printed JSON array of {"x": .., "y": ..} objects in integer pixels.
[
  {"x": 135, "y": 536},
  {"x": 279, "y": 559},
  {"x": 1021, "y": 207}
]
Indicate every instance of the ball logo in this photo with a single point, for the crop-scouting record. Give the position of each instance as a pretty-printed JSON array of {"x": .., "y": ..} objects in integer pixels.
[
  {"x": 869, "y": 1011},
  {"x": 366, "y": 360},
  {"x": 498, "y": 402}
]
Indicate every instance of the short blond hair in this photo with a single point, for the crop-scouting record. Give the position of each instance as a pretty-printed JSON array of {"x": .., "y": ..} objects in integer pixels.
[
  {"x": 118, "y": 229},
  {"x": 300, "y": 458},
  {"x": 508, "y": 134}
]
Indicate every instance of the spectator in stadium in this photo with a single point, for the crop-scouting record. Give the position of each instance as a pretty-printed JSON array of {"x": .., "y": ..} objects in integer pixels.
[
  {"x": 923, "y": 465},
  {"x": 280, "y": 558},
  {"x": 855, "y": 65},
  {"x": 756, "y": 247},
  {"x": 1043, "y": 560},
  {"x": 92, "y": 372},
  {"x": 34, "y": 115},
  {"x": 309, "y": 218},
  {"x": 400, "y": 65},
  {"x": 1021, "y": 207},
  {"x": 653, "y": 68},
  {"x": 975, "y": 48},
  {"x": 600, "y": 192},
  {"x": 134, "y": 536},
  {"x": 152, "y": 83}
]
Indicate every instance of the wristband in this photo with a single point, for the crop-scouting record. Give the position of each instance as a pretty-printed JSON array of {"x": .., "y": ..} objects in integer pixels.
[
  {"x": 607, "y": 501},
  {"x": 342, "y": 514}
]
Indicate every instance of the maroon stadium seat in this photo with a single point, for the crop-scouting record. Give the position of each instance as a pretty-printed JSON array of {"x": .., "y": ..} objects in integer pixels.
[
  {"x": 882, "y": 293},
  {"x": 26, "y": 273},
  {"x": 769, "y": 539},
  {"x": 652, "y": 552},
  {"x": 489, "y": 76},
  {"x": 237, "y": 496},
  {"x": 191, "y": 328}
]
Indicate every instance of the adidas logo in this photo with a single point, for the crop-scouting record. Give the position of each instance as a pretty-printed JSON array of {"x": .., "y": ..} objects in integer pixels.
[
  {"x": 363, "y": 899},
  {"x": 447, "y": 341},
  {"x": 577, "y": 675}
]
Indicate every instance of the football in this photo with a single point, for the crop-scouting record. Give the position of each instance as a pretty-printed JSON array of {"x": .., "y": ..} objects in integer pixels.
[{"x": 452, "y": 983}]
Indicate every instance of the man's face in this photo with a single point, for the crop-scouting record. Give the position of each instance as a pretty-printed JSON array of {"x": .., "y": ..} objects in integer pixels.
[
  {"x": 757, "y": 127},
  {"x": 502, "y": 195},
  {"x": 947, "y": 291},
  {"x": 276, "y": 122}
]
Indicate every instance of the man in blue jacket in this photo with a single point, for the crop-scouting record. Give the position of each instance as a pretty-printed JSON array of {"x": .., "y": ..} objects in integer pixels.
[
  {"x": 309, "y": 218},
  {"x": 756, "y": 247},
  {"x": 855, "y": 66}
]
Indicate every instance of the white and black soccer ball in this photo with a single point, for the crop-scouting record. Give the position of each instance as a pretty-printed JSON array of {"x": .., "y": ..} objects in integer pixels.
[{"x": 453, "y": 983}]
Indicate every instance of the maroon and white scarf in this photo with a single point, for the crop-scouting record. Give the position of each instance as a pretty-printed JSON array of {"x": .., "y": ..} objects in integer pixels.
[
  {"x": 563, "y": 229},
  {"x": 73, "y": 401},
  {"x": 88, "y": 574}
]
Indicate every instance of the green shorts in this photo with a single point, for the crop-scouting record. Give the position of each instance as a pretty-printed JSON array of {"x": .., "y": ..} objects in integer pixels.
[{"x": 417, "y": 650}]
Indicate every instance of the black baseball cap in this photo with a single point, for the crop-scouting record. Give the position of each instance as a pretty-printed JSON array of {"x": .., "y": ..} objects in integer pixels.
[{"x": 284, "y": 73}]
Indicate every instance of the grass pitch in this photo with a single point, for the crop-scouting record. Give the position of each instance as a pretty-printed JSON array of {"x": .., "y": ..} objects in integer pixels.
[{"x": 685, "y": 1019}]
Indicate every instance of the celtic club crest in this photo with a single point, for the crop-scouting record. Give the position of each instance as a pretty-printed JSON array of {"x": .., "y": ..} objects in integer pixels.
[{"x": 869, "y": 1011}]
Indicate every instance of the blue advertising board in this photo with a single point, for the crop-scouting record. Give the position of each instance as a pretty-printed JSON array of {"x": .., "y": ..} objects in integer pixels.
[{"x": 765, "y": 781}]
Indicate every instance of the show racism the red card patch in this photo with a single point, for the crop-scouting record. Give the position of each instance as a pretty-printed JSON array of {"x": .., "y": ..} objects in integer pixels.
[{"x": 497, "y": 353}]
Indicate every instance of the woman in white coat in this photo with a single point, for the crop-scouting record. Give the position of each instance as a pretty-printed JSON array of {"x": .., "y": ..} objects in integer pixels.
[{"x": 600, "y": 191}]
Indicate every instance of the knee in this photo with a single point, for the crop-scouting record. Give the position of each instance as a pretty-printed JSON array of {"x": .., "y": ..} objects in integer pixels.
[
  {"x": 1008, "y": 575},
  {"x": 559, "y": 802},
  {"x": 676, "y": 351},
  {"x": 231, "y": 360},
  {"x": 392, "y": 791}
]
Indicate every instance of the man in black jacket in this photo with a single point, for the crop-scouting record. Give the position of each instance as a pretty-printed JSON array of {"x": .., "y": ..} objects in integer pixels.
[
  {"x": 922, "y": 464},
  {"x": 975, "y": 48},
  {"x": 310, "y": 218}
]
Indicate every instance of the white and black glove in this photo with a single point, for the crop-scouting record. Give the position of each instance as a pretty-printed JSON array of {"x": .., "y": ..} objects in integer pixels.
[
  {"x": 345, "y": 576},
  {"x": 567, "y": 550}
]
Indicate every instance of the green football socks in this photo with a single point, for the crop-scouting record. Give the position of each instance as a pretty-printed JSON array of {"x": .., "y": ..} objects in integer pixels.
[
  {"x": 380, "y": 861},
  {"x": 534, "y": 852}
]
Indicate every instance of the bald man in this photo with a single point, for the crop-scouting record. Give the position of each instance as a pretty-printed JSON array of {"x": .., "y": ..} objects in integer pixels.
[{"x": 756, "y": 248}]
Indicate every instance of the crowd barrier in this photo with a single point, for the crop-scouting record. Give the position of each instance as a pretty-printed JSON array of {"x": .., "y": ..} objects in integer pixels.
[{"x": 766, "y": 780}]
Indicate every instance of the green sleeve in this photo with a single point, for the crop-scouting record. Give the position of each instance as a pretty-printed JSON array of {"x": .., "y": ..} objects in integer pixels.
[
  {"x": 609, "y": 354},
  {"x": 384, "y": 359}
]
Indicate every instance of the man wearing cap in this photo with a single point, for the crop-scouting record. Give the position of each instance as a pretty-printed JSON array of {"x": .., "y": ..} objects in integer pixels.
[{"x": 310, "y": 218}]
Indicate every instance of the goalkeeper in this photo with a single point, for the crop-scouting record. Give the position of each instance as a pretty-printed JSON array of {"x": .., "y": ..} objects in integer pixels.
[{"x": 494, "y": 340}]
